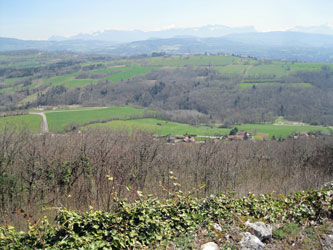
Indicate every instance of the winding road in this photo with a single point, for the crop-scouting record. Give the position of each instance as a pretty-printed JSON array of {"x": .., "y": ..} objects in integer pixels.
[{"x": 45, "y": 127}]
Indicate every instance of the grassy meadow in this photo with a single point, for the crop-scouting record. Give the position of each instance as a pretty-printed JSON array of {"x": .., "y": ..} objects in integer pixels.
[
  {"x": 161, "y": 127},
  {"x": 278, "y": 130},
  {"x": 57, "y": 120},
  {"x": 128, "y": 73},
  {"x": 262, "y": 84},
  {"x": 67, "y": 80},
  {"x": 29, "y": 122},
  {"x": 181, "y": 61}
]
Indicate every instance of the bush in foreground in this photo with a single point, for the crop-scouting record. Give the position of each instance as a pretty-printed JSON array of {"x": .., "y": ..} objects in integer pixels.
[{"x": 152, "y": 222}]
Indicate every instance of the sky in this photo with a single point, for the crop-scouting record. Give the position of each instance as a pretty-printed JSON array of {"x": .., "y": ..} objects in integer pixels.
[{"x": 40, "y": 19}]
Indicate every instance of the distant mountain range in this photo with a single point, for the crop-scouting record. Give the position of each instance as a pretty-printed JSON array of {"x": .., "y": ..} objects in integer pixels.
[
  {"x": 7, "y": 44},
  {"x": 123, "y": 36},
  {"x": 323, "y": 29},
  {"x": 288, "y": 45}
]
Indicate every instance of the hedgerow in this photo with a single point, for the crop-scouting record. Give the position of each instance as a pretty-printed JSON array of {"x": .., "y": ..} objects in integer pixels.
[{"x": 150, "y": 221}]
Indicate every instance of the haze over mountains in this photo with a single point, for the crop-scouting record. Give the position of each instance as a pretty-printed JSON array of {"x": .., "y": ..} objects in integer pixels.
[
  {"x": 123, "y": 36},
  {"x": 299, "y": 43},
  {"x": 322, "y": 29}
]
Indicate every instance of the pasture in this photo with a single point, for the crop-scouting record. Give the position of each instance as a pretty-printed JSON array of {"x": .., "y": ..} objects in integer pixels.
[
  {"x": 263, "y": 84},
  {"x": 131, "y": 119},
  {"x": 67, "y": 80},
  {"x": 279, "y": 130},
  {"x": 274, "y": 70},
  {"x": 59, "y": 119},
  {"x": 29, "y": 122},
  {"x": 128, "y": 73},
  {"x": 109, "y": 69},
  {"x": 201, "y": 60},
  {"x": 234, "y": 69},
  {"x": 161, "y": 127}
]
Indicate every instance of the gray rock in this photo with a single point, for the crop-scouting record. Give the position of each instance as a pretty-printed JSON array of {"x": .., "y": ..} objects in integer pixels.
[
  {"x": 250, "y": 242},
  {"x": 210, "y": 246},
  {"x": 261, "y": 230},
  {"x": 217, "y": 227},
  {"x": 328, "y": 242}
]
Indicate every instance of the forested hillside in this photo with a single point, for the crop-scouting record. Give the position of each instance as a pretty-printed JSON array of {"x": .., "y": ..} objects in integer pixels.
[{"x": 225, "y": 89}]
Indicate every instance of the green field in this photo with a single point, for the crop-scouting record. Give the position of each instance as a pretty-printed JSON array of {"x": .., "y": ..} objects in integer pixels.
[
  {"x": 109, "y": 70},
  {"x": 274, "y": 69},
  {"x": 18, "y": 88},
  {"x": 68, "y": 81},
  {"x": 165, "y": 127},
  {"x": 279, "y": 130},
  {"x": 180, "y": 61},
  {"x": 128, "y": 73},
  {"x": 30, "y": 122},
  {"x": 234, "y": 69},
  {"x": 261, "y": 84},
  {"x": 57, "y": 120},
  {"x": 12, "y": 80},
  {"x": 307, "y": 66}
]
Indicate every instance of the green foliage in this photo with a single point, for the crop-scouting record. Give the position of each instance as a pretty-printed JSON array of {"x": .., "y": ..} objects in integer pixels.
[
  {"x": 233, "y": 131},
  {"x": 279, "y": 234},
  {"x": 288, "y": 230},
  {"x": 150, "y": 221}
]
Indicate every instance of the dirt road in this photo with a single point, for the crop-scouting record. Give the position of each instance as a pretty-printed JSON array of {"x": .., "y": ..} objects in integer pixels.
[{"x": 45, "y": 127}]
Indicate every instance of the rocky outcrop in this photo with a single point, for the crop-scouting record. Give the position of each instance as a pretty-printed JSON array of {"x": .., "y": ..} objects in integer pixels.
[
  {"x": 328, "y": 242},
  {"x": 250, "y": 242},
  {"x": 261, "y": 230},
  {"x": 217, "y": 227},
  {"x": 210, "y": 246}
]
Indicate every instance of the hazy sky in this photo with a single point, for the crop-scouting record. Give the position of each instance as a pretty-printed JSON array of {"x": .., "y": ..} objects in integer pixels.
[{"x": 40, "y": 19}]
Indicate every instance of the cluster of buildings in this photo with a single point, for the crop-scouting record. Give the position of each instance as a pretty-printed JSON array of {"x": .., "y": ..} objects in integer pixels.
[{"x": 239, "y": 136}]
